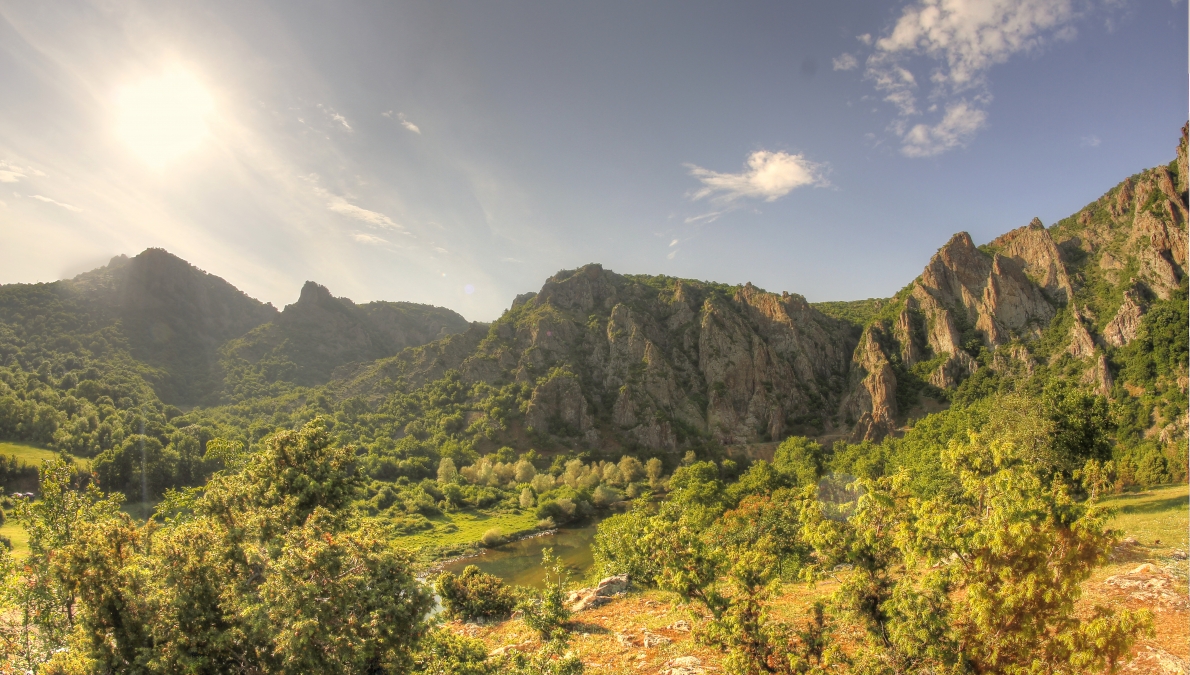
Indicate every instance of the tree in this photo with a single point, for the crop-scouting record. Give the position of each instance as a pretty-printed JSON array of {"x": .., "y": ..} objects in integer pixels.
[{"x": 263, "y": 570}]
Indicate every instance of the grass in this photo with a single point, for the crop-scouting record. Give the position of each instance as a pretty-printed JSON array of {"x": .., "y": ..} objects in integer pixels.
[
  {"x": 17, "y": 535},
  {"x": 466, "y": 527},
  {"x": 1160, "y": 514},
  {"x": 32, "y": 454}
]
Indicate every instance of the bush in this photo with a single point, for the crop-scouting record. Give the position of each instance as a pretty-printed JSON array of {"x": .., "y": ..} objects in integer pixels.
[
  {"x": 546, "y": 613},
  {"x": 441, "y": 652},
  {"x": 493, "y": 537},
  {"x": 474, "y": 595},
  {"x": 527, "y": 498}
]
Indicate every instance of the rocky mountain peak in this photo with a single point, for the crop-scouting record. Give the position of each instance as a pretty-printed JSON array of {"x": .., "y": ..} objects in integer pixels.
[
  {"x": 581, "y": 290},
  {"x": 1035, "y": 251}
]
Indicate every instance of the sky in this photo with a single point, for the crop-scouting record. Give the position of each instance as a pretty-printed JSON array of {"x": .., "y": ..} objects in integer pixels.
[{"x": 459, "y": 153}]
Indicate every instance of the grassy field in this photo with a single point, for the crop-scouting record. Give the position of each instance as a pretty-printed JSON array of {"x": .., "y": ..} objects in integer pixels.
[
  {"x": 31, "y": 454},
  {"x": 1155, "y": 515},
  {"x": 467, "y": 527}
]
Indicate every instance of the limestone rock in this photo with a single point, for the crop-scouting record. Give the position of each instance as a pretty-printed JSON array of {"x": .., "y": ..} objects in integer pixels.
[
  {"x": 994, "y": 291},
  {"x": 606, "y": 589},
  {"x": 1081, "y": 344},
  {"x": 873, "y": 399},
  {"x": 1034, "y": 249},
  {"x": 559, "y": 401},
  {"x": 957, "y": 367},
  {"x": 1099, "y": 376},
  {"x": 1125, "y": 325}
]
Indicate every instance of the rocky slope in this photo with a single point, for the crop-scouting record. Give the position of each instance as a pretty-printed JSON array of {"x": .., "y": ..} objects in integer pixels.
[{"x": 1095, "y": 271}]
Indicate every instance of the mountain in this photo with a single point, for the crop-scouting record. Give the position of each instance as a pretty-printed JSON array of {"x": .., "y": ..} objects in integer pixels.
[
  {"x": 613, "y": 360},
  {"x": 174, "y": 315},
  {"x": 307, "y": 341}
]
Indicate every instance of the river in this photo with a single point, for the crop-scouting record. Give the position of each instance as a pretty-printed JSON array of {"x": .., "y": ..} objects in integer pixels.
[{"x": 519, "y": 563}]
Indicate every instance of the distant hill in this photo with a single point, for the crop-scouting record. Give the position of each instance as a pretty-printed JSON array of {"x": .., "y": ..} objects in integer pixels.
[
  {"x": 174, "y": 315},
  {"x": 307, "y": 341}
]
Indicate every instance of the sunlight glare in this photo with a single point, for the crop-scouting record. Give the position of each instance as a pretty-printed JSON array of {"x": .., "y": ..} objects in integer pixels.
[{"x": 163, "y": 118}]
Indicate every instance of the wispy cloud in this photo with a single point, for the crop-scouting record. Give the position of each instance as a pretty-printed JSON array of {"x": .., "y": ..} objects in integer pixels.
[
  {"x": 341, "y": 206},
  {"x": 400, "y": 117},
  {"x": 11, "y": 173},
  {"x": 365, "y": 238},
  {"x": 958, "y": 125},
  {"x": 961, "y": 41},
  {"x": 768, "y": 176},
  {"x": 845, "y": 62},
  {"x": 407, "y": 124},
  {"x": 335, "y": 116},
  {"x": 55, "y": 202},
  {"x": 1091, "y": 141}
]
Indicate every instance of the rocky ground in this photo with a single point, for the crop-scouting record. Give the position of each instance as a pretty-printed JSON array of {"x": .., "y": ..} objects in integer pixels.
[{"x": 649, "y": 632}]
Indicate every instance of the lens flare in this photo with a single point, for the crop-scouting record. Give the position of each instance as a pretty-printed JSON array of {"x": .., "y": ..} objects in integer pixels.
[{"x": 163, "y": 118}]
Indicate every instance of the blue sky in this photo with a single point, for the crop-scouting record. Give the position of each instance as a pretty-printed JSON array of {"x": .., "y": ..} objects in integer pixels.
[{"x": 459, "y": 153}]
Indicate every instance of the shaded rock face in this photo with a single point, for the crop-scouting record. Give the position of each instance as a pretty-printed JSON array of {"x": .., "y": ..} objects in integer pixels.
[
  {"x": 660, "y": 362},
  {"x": 872, "y": 401}
]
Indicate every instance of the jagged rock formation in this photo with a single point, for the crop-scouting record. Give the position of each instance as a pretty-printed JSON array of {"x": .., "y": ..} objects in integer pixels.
[
  {"x": 1123, "y": 327},
  {"x": 655, "y": 361}
]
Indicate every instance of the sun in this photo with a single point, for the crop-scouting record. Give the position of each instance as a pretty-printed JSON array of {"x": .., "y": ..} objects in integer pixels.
[{"x": 163, "y": 118}]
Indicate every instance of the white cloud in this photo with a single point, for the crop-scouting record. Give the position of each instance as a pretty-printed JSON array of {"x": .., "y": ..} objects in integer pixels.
[
  {"x": 769, "y": 176},
  {"x": 673, "y": 243},
  {"x": 672, "y": 255},
  {"x": 55, "y": 202},
  {"x": 12, "y": 174},
  {"x": 958, "y": 125},
  {"x": 335, "y": 116},
  {"x": 365, "y": 238},
  {"x": 510, "y": 260},
  {"x": 404, "y": 122},
  {"x": 961, "y": 40},
  {"x": 845, "y": 62},
  {"x": 408, "y": 125},
  {"x": 374, "y": 218},
  {"x": 1091, "y": 141}
]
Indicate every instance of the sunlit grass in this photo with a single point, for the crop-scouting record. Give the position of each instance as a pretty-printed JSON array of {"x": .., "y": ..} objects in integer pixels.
[
  {"x": 466, "y": 527},
  {"x": 1160, "y": 514},
  {"x": 34, "y": 455},
  {"x": 17, "y": 535}
]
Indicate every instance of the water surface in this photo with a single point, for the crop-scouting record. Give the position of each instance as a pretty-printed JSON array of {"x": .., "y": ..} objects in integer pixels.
[{"x": 519, "y": 563}]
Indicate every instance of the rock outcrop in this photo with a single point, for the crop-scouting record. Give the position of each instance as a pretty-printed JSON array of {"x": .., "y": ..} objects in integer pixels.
[
  {"x": 1124, "y": 326},
  {"x": 660, "y": 360},
  {"x": 1034, "y": 250},
  {"x": 600, "y": 593}
]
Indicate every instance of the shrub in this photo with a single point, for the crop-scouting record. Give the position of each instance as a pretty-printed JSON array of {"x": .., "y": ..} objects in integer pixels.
[
  {"x": 546, "y": 612},
  {"x": 493, "y": 537},
  {"x": 474, "y": 595},
  {"x": 527, "y": 498}
]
